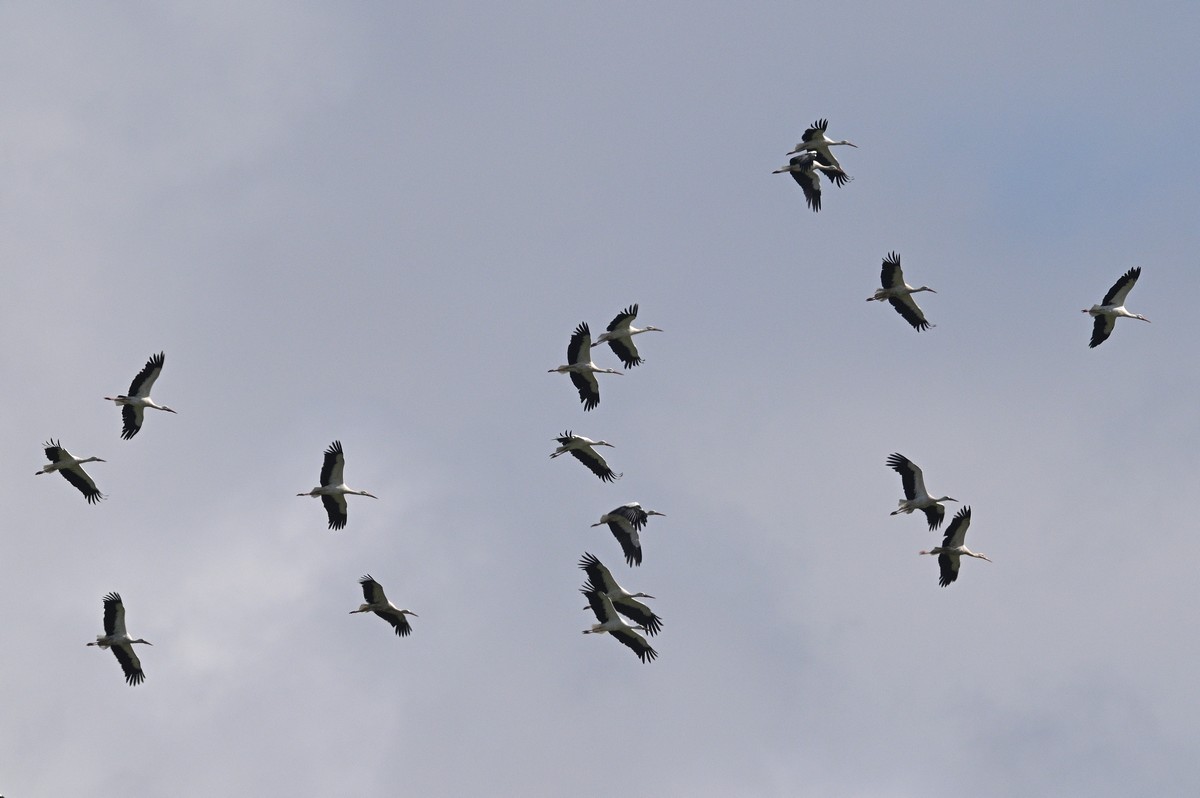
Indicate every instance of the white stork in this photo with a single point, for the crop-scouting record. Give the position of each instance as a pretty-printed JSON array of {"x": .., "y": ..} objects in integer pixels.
[
  {"x": 620, "y": 336},
  {"x": 610, "y": 622},
  {"x": 915, "y": 495},
  {"x": 583, "y": 450},
  {"x": 378, "y": 603},
  {"x": 71, "y": 468},
  {"x": 899, "y": 293},
  {"x": 815, "y": 140},
  {"x": 333, "y": 490},
  {"x": 581, "y": 368},
  {"x": 1106, "y": 312},
  {"x": 805, "y": 167},
  {"x": 626, "y": 603},
  {"x": 625, "y": 522},
  {"x": 952, "y": 549},
  {"x": 118, "y": 640},
  {"x": 139, "y": 396}
]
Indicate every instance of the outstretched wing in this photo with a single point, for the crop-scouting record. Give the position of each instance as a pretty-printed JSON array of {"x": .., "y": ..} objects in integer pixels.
[
  {"x": 144, "y": 381},
  {"x": 1102, "y": 327}
]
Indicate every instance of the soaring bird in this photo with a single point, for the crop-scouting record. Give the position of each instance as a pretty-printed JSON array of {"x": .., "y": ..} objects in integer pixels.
[
  {"x": 583, "y": 449},
  {"x": 619, "y": 336},
  {"x": 71, "y": 467},
  {"x": 581, "y": 368},
  {"x": 625, "y": 522},
  {"x": 805, "y": 167},
  {"x": 333, "y": 490},
  {"x": 118, "y": 640},
  {"x": 915, "y": 495},
  {"x": 610, "y": 622},
  {"x": 138, "y": 398},
  {"x": 815, "y": 140},
  {"x": 952, "y": 549},
  {"x": 899, "y": 293},
  {"x": 626, "y": 603},
  {"x": 378, "y": 603},
  {"x": 1106, "y": 312}
]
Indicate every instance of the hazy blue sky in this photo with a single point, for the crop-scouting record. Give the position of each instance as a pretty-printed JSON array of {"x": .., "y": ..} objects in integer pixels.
[{"x": 379, "y": 223}]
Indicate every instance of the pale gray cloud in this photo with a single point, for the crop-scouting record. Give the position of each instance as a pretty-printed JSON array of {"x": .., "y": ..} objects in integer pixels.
[{"x": 381, "y": 225}]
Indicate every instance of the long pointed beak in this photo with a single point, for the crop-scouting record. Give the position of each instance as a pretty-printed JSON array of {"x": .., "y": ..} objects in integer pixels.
[{"x": 372, "y": 495}]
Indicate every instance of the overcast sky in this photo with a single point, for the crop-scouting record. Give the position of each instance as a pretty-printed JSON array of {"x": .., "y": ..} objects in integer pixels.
[{"x": 379, "y": 223}]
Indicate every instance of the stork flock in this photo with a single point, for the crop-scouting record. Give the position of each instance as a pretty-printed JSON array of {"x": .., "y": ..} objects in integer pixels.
[
  {"x": 332, "y": 491},
  {"x": 606, "y": 598},
  {"x": 619, "y": 613},
  {"x": 813, "y": 157}
]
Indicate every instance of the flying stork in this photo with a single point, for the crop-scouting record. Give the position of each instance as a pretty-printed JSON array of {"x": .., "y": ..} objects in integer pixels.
[
  {"x": 378, "y": 603},
  {"x": 118, "y": 640},
  {"x": 601, "y": 579},
  {"x": 915, "y": 496},
  {"x": 583, "y": 450},
  {"x": 139, "y": 396},
  {"x": 620, "y": 336},
  {"x": 610, "y": 622},
  {"x": 952, "y": 549},
  {"x": 1106, "y": 312},
  {"x": 581, "y": 368},
  {"x": 899, "y": 293},
  {"x": 815, "y": 140},
  {"x": 333, "y": 490},
  {"x": 71, "y": 468},
  {"x": 805, "y": 167},
  {"x": 625, "y": 522}
]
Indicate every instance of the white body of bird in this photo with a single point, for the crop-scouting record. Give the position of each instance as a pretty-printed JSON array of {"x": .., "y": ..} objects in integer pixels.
[
  {"x": 900, "y": 294},
  {"x": 581, "y": 368},
  {"x": 626, "y": 523},
  {"x": 952, "y": 550},
  {"x": 626, "y": 603},
  {"x": 333, "y": 490},
  {"x": 915, "y": 495},
  {"x": 805, "y": 168},
  {"x": 584, "y": 450},
  {"x": 815, "y": 140},
  {"x": 117, "y": 640},
  {"x": 71, "y": 468},
  {"x": 1113, "y": 307},
  {"x": 619, "y": 336},
  {"x": 138, "y": 399},
  {"x": 378, "y": 603},
  {"x": 610, "y": 622}
]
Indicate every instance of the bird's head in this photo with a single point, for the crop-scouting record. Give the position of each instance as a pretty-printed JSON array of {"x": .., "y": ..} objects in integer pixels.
[
  {"x": 655, "y": 512},
  {"x": 604, "y": 443},
  {"x": 642, "y": 595},
  {"x": 1139, "y": 316},
  {"x": 169, "y": 410},
  {"x": 364, "y": 493}
]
